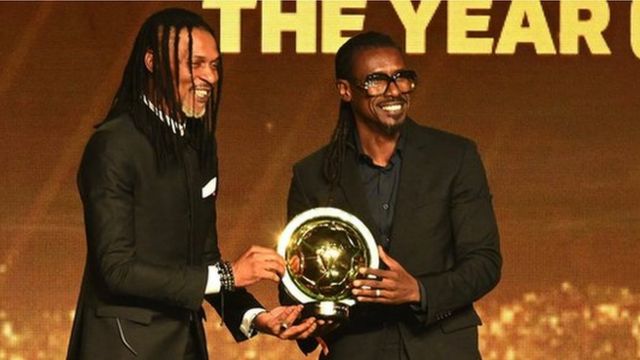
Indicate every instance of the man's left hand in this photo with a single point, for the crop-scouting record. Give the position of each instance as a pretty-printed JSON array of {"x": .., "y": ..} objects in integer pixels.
[
  {"x": 279, "y": 322},
  {"x": 393, "y": 286}
]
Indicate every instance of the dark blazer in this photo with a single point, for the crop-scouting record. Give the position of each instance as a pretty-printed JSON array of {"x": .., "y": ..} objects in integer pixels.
[
  {"x": 150, "y": 236},
  {"x": 444, "y": 233}
]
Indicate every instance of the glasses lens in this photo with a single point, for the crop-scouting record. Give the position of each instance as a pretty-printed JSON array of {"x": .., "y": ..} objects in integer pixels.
[
  {"x": 376, "y": 84},
  {"x": 406, "y": 80}
]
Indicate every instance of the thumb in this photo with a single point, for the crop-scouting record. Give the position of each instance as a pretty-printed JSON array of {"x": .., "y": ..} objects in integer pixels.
[{"x": 386, "y": 258}]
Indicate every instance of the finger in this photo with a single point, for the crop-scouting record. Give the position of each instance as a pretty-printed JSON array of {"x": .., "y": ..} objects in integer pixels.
[
  {"x": 391, "y": 263},
  {"x": 309, "y": 325},
  {"x": 275, "y": 257},
  {"x": 372, "y": 293},
  {"x": 264, "y": 274},
  {"x": 269, "y": 255},
  {"x": 273, "y": 262},
  {"x": 376, "y": 272},
  {"x": 277, "y": 319},
  {"x": 287, "y": 330},
  {"x": 280, "y": 310},
  {"x": 379, "y": 300},
  {"x": 277, "y": 268},
  {"x": 269, "y": 258},
  {"x": 291, "y": 317},
  {"x": 309, "y": 331},
  {"x": 373, "y": 284},
  {"x": 273, "y": 268},
  {"x": 261, "y": 250},
  {"x": 269, "y": 275},
  {"x": 277, "y": 311},
  {"x": 258, "y": 255}
]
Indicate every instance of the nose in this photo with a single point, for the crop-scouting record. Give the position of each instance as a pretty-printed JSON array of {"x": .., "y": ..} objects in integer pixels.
[
  {"x": 209, "y": 74},
  {"x": 392, "y": 89}
]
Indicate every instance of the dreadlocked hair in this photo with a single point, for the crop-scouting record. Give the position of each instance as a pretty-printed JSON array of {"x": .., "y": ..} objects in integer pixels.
[
  {"x": 346, "y": 121},
  {"x": 160, "y": 34}
]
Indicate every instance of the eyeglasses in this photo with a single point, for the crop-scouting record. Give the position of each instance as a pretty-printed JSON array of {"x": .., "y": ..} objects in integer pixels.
[{"x": 377, "y": 84}]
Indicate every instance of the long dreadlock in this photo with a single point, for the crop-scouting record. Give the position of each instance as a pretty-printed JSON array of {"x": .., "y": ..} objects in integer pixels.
[
  {"x": 160, "y": 34},
  {"x": 346, "y": 121}
]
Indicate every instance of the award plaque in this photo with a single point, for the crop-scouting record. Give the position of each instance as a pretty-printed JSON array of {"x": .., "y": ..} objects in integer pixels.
[{"x": 323, "y": 249}]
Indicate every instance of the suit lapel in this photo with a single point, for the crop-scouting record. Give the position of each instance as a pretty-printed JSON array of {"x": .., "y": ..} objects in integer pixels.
[{"x": 411, "y": 176}]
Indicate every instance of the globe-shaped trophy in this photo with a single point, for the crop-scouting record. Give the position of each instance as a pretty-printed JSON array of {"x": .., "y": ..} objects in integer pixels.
[{"x": 323, "y": 248}]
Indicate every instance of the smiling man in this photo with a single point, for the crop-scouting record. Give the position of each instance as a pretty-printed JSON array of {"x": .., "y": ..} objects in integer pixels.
[
  {"x": 148, "y": 182},
  {"x": 423, "y": 194}
]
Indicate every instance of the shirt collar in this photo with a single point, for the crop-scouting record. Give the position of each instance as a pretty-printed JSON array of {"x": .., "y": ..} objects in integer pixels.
[
  {"x": 361, "y": 156},
  {"x": 175, "y": 126}
]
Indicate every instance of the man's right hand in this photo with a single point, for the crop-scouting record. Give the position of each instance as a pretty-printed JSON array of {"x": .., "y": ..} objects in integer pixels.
[{"x": 256, "y": 264}]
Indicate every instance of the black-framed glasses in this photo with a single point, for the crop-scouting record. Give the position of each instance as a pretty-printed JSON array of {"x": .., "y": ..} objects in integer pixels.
[{"x": 376, "y": 84}]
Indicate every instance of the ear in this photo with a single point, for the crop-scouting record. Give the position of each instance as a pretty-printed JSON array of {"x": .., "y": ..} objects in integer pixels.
[
  {"x": 344, "y": 89},
  {"x": 148, "y": 60}
]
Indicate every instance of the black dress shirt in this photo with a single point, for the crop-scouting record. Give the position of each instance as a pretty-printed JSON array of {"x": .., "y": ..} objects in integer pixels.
[{"x": 380, "y": 185}]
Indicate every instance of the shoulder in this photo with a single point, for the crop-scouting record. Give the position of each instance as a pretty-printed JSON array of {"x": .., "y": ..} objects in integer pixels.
[
  {"x": 314, "y": 160},
  {"x": 439, "y": 145},
  {"x": 110, "y": 155},
  {"x": 435, "y": 137},
  {"x": 115, "y": 136},
  {"x": 116, "y": 145}
]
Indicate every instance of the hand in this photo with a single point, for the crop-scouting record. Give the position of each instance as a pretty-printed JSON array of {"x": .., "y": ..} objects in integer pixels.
[
  {"x": 393, "y": 286},
  {"x": 324, "y": 327},
  {"x": 279, "y": 322},
  {"x": 257, "y": 263}
]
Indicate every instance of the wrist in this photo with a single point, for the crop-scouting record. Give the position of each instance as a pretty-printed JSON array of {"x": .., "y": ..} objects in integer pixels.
[
  {"x": 227, "y": 279},
  {"x": 257, "y": 322}
]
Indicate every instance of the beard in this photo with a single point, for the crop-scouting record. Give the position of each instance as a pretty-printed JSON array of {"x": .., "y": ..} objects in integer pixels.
[
  {"x": 387, "y": 129},
  {"x": 390, "y": 130},
  {"x": 190, "y": 111}
]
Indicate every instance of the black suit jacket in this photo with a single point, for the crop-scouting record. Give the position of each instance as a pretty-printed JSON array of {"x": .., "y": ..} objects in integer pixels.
[
  {"x": 444, "y": 233},
  {"x": 150, "y": 236}
]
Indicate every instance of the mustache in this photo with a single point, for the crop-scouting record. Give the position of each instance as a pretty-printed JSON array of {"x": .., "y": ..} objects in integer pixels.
[
  {"x": 393, "y": 100},
  {"x": 205, "y": 85}
]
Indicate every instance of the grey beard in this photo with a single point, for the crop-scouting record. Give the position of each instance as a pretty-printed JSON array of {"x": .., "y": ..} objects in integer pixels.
[{"x": 189, "y": 111}]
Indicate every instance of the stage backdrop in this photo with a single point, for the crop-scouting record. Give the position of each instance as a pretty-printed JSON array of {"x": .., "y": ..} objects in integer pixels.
[{"x": 548, "y": 92}]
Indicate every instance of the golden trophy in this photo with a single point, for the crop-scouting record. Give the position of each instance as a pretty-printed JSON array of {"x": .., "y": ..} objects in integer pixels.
[{"x": 323, "y": 248}]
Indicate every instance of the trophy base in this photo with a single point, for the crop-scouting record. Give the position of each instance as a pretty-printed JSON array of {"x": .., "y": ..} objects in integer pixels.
[{"x": 328, "y": 310}]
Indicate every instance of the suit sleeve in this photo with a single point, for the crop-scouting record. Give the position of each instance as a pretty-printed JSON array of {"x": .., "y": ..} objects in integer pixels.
[
  {"x": 230, "y": 305},
  {"x": 106, "y": 183},
  {"x": 477, "y": 259}
]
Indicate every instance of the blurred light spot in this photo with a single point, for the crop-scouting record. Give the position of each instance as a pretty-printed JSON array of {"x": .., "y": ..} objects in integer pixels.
[{"x": 269, "y": 126}]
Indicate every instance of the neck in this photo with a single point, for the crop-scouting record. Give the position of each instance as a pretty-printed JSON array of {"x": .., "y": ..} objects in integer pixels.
[{"x": 378, "y": 146}]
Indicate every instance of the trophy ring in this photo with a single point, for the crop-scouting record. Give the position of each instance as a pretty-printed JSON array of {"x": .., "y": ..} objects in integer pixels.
[{"x": 323, "y": 248}]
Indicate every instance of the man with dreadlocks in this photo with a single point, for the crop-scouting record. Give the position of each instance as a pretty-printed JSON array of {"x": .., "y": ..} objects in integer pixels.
[
  {"x": 423, "y": 194},
  {"x": 148, "y": 182}
]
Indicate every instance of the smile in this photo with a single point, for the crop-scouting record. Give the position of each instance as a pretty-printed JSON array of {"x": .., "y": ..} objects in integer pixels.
[
  {"x": 202, "y": 94},
  {"x": 392, "y": 107},
  {"x": 395, "y": 107}
]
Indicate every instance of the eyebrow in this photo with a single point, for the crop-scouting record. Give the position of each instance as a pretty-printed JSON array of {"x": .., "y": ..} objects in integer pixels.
[
  {"x": 204, "y": 58},
  {"x": 384, "y": 73}
]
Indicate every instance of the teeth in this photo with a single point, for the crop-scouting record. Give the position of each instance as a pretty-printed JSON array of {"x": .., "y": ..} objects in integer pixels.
[
  {"x": 202, "y": 93},
  {"x": 395, "y": 107}
]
